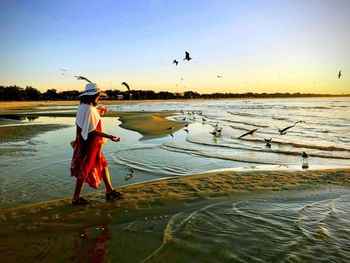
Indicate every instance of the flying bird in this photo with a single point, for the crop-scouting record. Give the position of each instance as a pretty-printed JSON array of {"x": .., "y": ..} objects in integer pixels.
[
  {"x": 248, "y": 133},
  {"x": 126, "y": 85},
  {"x": 215, "y": 133},
  {"x": 339, "y": 74},
  {"x": 219, "y": 76},
  {"x": 284, "y": 130},
  {"x": 82, "y": 78},
  {"x": 215, "y": 126},
  {"x": 175, "y": 62},
  {"x": 187, "y": 56},
  {"x": 186, "y": 130}
]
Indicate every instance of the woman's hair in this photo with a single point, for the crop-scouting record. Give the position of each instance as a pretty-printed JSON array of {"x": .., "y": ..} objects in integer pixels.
[{"x": 89, "y": 99}]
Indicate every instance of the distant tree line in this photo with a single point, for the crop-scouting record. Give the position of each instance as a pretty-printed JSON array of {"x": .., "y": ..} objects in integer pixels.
[{"x": 16, "y": 93}]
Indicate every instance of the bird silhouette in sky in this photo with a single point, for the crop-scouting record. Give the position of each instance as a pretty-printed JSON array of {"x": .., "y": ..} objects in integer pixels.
[
  {"x": 248, "y": 133},
  {"x": 187, "y": 56},
  {"x": 284, "y": 130},
  {"x": 83, "y": 78},
  {"x": 175, "y": 62},
  {"x": 126, "y": 85},
  {"x": 339, "y": 74},
  {"x": 218, "y": 76}
]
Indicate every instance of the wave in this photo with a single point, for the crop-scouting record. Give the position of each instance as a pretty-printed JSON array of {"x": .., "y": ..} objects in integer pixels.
[
  {"x": 264, "y": 150},
  {"x": 214, "y": 155},
  {"x": 308, "y": 146},
  {"x": 247, "y": 123}
]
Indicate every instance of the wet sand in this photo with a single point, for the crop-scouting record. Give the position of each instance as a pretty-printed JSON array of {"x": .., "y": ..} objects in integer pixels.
[
  {"x": 27, "y": 231},
  {"x": 21, "y": 132},
  {"x": 149, "y": 124}
]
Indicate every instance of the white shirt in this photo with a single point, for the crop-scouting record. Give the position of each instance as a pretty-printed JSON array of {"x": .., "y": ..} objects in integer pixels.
[{"x": 87, "y": 119}]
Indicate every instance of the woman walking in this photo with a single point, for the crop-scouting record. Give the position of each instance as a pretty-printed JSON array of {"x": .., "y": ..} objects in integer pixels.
[{"x": 88, "y": 163}]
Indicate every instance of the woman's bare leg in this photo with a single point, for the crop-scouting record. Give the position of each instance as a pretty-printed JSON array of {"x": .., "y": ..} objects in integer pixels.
[
  {"x": 107, "y": 180},
  {"x": 78, "y": 187}
]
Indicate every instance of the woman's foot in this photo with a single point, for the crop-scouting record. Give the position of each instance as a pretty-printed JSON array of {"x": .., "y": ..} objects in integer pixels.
[
  {"x": 80, "y": 201},
  {"x": 113, "y": 195}
]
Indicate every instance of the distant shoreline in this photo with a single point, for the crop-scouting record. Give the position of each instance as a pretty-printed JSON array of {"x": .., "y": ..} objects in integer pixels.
[{"x": 42, "y": 103}]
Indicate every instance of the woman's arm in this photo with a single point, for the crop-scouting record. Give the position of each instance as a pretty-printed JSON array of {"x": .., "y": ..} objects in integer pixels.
[{"x": 102, "y": 134}]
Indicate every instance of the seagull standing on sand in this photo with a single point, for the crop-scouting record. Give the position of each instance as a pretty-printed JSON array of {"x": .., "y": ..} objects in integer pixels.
[
  {"x": 187, "y": 56},
  {"x": 268, "y": 142},
  {"x": 248, "y": 133},
  {"x": 339, "y": 74},
  {"x": 284, "y": 130},
  {"x": 82, "y": 78}
]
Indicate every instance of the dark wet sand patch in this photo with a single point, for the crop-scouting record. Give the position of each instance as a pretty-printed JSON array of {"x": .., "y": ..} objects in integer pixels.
[{"x": 26, "y": 131}]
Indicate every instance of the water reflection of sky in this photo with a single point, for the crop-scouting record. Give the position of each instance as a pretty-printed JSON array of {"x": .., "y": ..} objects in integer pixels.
[{"x": 38, "y": 169}]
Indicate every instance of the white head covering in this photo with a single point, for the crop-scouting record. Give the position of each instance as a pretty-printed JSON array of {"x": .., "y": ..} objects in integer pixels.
[{"x": 92, "y": 89}]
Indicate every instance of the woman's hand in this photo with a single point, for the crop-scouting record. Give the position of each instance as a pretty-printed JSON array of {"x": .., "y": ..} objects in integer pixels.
[
  {"x": 114, "y": 138},
  {"x": 101, "y": 109}
]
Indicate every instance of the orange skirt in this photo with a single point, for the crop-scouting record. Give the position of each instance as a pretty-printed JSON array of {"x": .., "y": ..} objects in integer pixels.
[{"x": 88, "y": 162}]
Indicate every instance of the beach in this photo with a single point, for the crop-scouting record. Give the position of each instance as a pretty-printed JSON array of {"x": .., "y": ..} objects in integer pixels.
[
  {"x": 52, "y": 230},
  {"x": 207, "y": 198}
]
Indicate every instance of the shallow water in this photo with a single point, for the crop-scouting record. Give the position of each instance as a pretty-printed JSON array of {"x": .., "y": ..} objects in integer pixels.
[
  {"x": 38, "y": 169},
  {"x": 275, "y": 228},
  {"x": 296, "y": 226}
]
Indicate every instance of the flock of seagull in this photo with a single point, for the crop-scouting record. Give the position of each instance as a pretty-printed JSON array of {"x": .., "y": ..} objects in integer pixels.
[
  {"x": 217, "y": 130},
  {"x": 79, "y": 77}
]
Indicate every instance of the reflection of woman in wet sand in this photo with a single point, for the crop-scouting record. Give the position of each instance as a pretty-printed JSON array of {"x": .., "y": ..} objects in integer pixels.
[
  {"x": 88, "y": 163},
  {"x": 94, "y": 249}
]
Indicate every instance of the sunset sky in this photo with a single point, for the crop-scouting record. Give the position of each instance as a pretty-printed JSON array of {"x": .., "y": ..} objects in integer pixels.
[{"x": 257, "y": 46}]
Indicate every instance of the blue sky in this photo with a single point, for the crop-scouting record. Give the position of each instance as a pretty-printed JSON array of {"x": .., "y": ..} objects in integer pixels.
[{"x": 257, "y": 46}]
